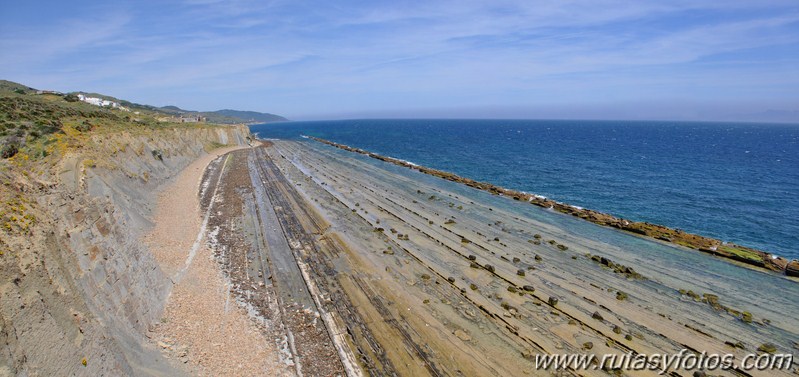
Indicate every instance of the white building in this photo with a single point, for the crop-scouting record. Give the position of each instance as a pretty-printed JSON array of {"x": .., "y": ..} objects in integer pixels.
[{"x": 101, "y": 102}]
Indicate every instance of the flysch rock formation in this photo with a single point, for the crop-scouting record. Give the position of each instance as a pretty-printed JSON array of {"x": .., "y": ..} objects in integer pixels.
[{"x": 79, "y": 289}]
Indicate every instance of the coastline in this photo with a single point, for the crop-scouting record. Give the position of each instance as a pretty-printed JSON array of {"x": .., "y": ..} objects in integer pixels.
[
  {"x": 438, "y": 277},
  {"x": 745, "y": 256}
]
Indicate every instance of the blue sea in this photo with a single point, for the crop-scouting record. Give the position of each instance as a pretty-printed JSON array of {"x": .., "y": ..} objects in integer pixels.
[{"x": 738, "y": 182}]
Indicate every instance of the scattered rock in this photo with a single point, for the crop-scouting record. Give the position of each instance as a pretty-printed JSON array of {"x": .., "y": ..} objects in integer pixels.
[
  {"x": 597, "y": 316},
  {"x": 529, "y": 288},
  {"x": 767, "y": 347},
  {"x": 528, "y": 354},
  {"x": 520, "y": 272},
  {"x": 553, "y": 301},
  {"x": 737, "y": 344},
  {"x": 588, "y": 345},
  {"x": 792, "y": 269},
  {"x": 690, "y": 294},
  {"x": 462, "y": 335}
]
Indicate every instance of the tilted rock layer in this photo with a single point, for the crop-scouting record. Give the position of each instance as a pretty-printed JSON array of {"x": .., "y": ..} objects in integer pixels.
[{"x": 79, "y": 289}]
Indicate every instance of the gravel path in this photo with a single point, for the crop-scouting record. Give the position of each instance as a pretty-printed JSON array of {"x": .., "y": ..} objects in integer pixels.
[{"x": 201, "y": 324}]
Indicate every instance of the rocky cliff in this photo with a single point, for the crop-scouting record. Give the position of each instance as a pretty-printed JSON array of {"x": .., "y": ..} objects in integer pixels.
[{"x": 79, "y": 290}]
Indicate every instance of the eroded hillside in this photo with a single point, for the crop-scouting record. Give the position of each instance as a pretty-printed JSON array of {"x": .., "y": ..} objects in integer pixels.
[{"x": 79, "y": 291}]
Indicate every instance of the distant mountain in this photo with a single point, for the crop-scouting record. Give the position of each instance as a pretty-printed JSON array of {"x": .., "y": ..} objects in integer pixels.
[
  {"x": 251, "y": 116},
  {"x": 226, "y": 116},
  {"x": 10, "y": 86}
]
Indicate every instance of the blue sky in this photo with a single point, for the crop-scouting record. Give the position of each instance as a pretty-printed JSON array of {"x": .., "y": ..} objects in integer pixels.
[{"x": 703, "y": 60}]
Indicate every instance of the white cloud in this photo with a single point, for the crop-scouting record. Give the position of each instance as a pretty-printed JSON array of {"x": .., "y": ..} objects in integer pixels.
[{"x": 377, "y": 54}]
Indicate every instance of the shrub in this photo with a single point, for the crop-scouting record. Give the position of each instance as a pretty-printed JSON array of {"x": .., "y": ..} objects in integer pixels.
[
  {"x": 84, "y": 126},
  {"x": 9, "y": 150}
]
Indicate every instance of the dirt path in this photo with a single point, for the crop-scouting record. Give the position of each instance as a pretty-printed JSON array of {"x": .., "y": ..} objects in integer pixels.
[{"x": 202, "y": 325}]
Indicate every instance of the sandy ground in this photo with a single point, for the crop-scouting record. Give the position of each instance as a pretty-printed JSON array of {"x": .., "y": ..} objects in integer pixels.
[{"x": 202, "y": 326}]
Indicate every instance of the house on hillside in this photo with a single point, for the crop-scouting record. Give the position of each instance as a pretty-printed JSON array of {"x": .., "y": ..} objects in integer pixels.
[{"x": 101, "y": 102}]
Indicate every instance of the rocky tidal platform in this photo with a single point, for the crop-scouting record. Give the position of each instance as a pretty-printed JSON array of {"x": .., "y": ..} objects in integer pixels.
[
  {"x": 406, "y": 273},
  {"x": 746, "y": 255}
]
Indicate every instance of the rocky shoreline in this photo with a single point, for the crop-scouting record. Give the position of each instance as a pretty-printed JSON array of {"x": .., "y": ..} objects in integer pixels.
[{"x": 747, "y": 256}]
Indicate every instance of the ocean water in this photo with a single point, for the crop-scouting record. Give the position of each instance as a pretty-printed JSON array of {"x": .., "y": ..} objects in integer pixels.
[{"x": 738, "y": 182}]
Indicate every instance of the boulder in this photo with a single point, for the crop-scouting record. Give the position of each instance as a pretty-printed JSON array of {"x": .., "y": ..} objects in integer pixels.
[{"x": 792, "y": 269}]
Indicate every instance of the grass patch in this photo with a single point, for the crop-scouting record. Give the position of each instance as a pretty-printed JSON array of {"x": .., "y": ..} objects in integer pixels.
[{"x": 740, "y": 252}]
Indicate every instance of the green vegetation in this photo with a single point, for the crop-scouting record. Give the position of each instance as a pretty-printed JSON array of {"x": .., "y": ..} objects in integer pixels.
[
  {"x": 767, "y": 348},
  {"x": 740, "y": 252},
  {"x": 36, "y": 124},
  {"x": 33, "y": 124}
]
